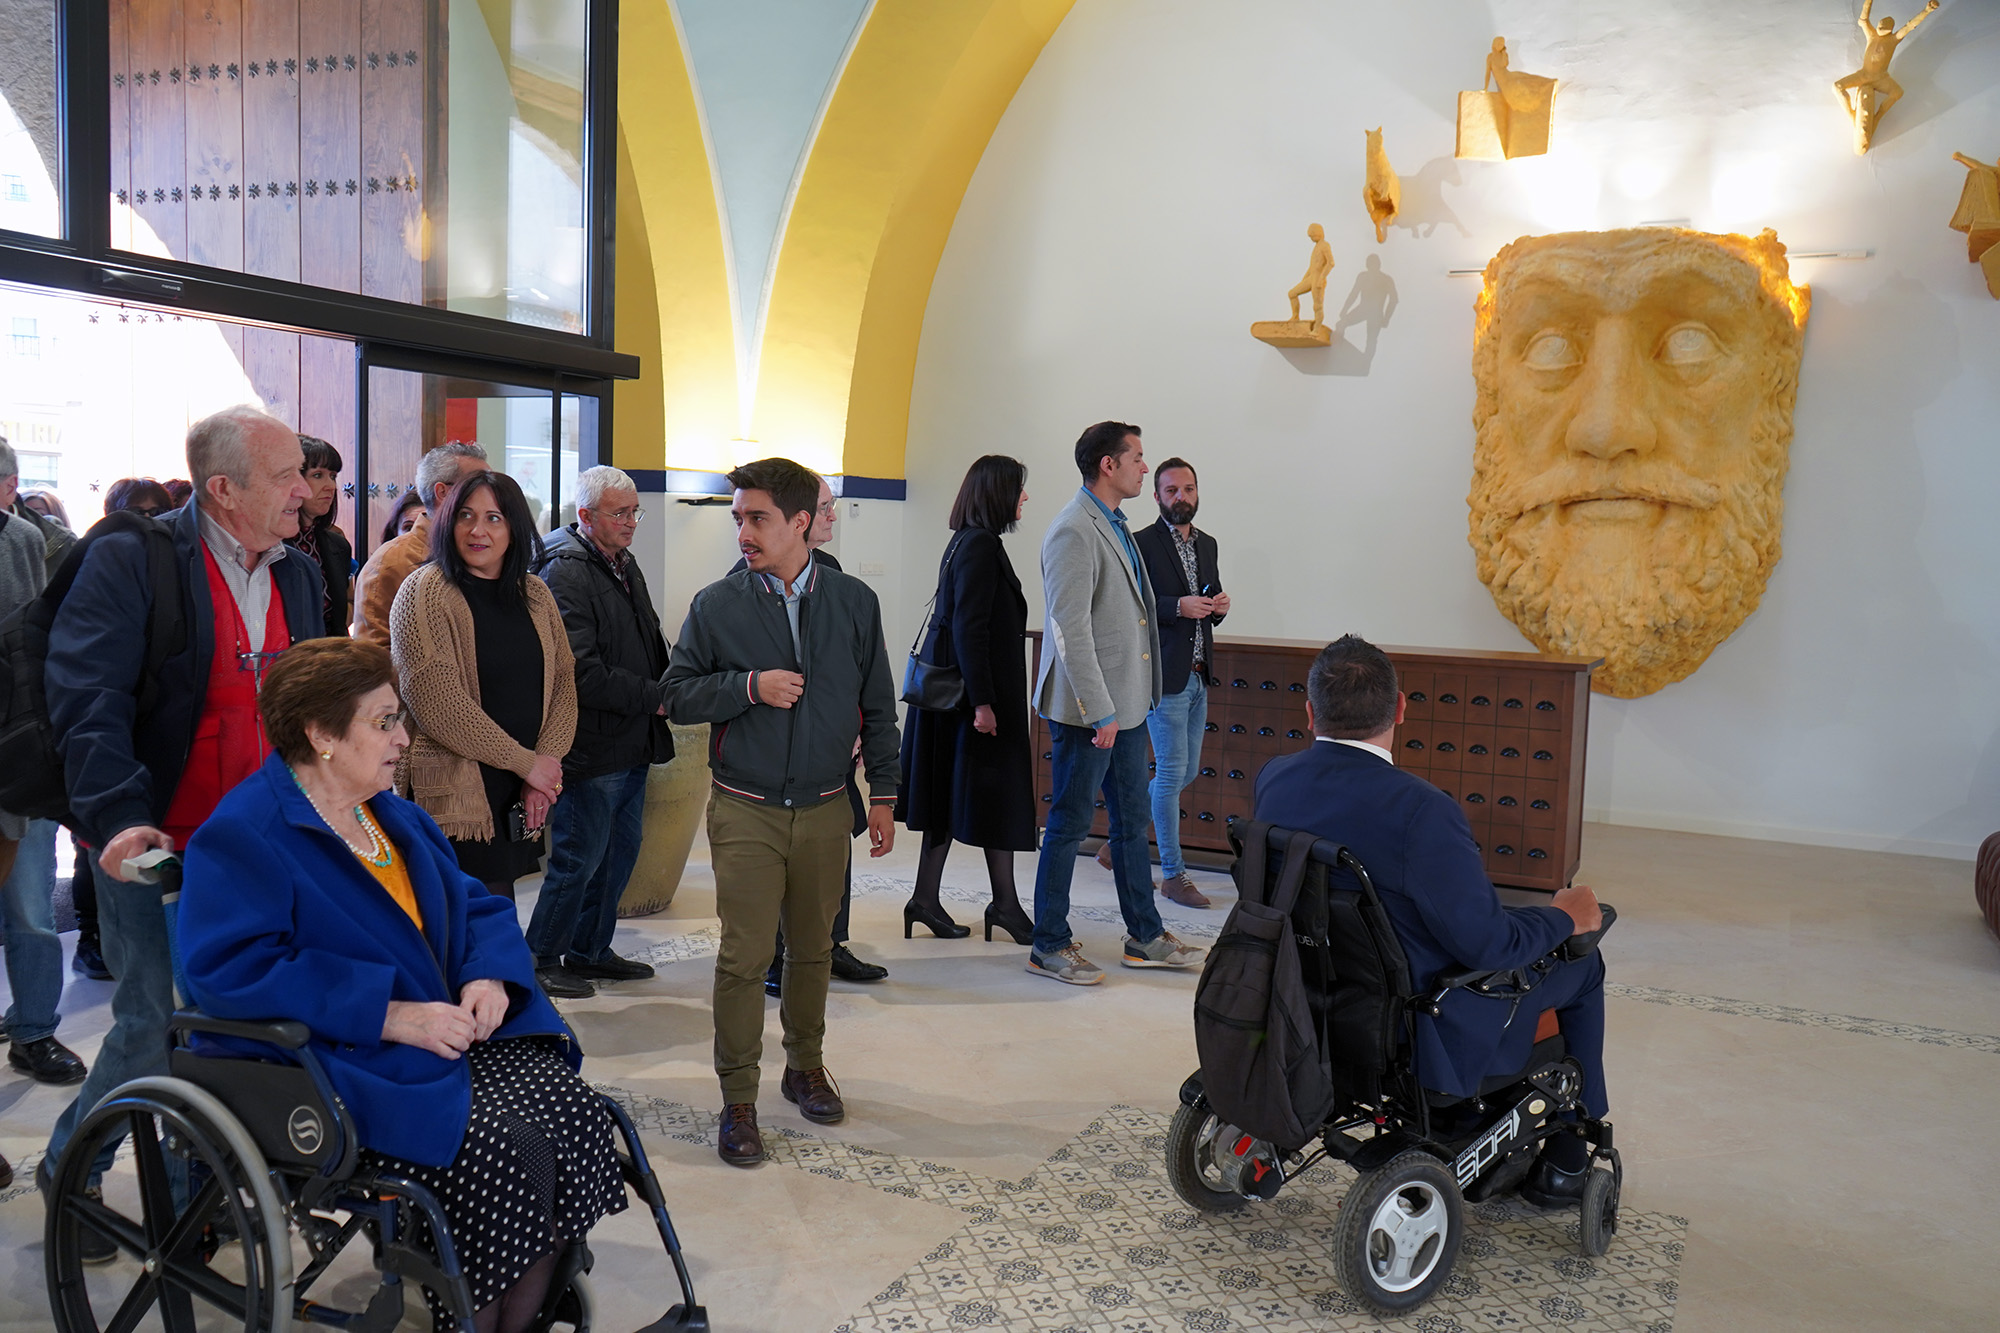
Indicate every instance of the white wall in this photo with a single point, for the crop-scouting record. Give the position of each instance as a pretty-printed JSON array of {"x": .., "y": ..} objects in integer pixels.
[{"x": 1144, "y": 199}]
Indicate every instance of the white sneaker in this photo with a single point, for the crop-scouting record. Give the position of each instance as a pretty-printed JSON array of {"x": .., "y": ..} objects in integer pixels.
[{"x": 1166, "y": 951}]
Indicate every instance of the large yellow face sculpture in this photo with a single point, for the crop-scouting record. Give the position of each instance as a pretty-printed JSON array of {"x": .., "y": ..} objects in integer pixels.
[{"x": 1634, "y": 416}]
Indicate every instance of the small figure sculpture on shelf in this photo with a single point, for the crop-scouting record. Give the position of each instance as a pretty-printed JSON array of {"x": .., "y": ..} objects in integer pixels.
[
  {"x": 1511, "y": 121},
  {"x": 1978, "y": 216},
  {"x": 1295, "y": 332},
  {"x": 1869, "y": 92},
  {"x": 1382, "y": 194}
]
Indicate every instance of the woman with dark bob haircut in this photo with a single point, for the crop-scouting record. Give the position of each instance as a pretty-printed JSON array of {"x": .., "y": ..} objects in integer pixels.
[
  {"x": 320, "y": 537},
  {"x": 313, "y": 893},
  {"x": 491, "y": 683},
  {"x": 967, "y": 775}
]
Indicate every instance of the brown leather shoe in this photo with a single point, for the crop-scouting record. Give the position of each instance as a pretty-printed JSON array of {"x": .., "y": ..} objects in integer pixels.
[
  {"x": 1104, "y": 855},
  {"x": 737, "y": 1141},
  {"x": 1180, "y": 889},
  {"x": 815, "y": 1095}
]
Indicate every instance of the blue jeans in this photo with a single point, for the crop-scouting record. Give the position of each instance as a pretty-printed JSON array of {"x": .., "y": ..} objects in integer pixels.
[
  {"x": 594, "y": 835},
  {"x": 1081, "y": 770},
  {"x": 134, "y": 933},
  {"x": 34, "y": 953},
  {"x": 1175, "y": 724}
]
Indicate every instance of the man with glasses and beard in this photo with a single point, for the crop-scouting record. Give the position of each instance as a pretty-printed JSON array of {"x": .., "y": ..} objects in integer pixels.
[{"x": 1180, "y": 564}]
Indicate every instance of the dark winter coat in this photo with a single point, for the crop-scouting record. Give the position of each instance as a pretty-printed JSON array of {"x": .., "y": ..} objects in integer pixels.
[{"x": 621, "y": 658}]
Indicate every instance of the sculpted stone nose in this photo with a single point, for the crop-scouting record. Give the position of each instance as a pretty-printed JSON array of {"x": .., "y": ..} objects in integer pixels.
[{"x": 1613, "y": 411}]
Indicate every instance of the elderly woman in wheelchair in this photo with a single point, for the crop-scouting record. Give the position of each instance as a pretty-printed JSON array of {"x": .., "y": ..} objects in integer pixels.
[
  {"x": 371, "y": 1038},
  {"x": 1350, "y": 1069}
]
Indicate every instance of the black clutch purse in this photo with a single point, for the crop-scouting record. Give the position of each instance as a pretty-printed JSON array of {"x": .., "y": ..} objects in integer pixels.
[{"x": 933, "y": 686}]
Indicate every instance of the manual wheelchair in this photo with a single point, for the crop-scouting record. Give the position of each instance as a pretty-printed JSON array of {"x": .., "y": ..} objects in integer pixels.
[
  {"x": 244, "y": 1168},
  {"x": 1418, "y": 1154}
]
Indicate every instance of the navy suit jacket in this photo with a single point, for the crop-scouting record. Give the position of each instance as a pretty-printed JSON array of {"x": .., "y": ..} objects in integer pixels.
[
  {"x": 1418, "y": 850},
  {"x": 278, "y": 919}
]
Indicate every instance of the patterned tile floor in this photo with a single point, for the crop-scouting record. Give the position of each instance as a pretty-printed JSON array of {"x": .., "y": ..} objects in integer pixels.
[{"x": 1096, "y": 1240}]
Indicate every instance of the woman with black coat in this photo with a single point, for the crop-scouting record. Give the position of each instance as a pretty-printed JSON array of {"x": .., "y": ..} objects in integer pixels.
[
  {"x": 968, "y": 774},
  {"x": 320, "y": 538}
]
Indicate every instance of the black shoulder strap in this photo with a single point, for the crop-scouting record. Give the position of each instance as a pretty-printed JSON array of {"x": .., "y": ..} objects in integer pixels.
[
  {"x": 1298, "y": 857},
  {"x": 1250, "y": 865},
  {"x": 930, "y": 611}
]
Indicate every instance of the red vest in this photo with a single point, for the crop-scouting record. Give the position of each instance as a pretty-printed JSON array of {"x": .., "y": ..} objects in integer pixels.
[{"x": 229, "y": 739}]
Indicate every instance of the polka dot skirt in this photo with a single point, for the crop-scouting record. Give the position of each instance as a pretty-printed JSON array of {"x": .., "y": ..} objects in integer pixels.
[{"x": 536, "y": 1166}]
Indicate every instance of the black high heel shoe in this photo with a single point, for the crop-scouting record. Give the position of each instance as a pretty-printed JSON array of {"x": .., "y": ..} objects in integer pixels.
[
  {"x": 940, "y": 924},
  {"x": 1018, "y": 925}
]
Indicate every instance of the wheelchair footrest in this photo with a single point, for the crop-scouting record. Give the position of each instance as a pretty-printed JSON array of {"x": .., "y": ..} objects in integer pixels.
[{"x": 680, "y": 1319}]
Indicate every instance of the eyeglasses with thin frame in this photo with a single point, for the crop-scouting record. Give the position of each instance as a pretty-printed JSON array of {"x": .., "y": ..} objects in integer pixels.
[{"x": 632, "y": 515}]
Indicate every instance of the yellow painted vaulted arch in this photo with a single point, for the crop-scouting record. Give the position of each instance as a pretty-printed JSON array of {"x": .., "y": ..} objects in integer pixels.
[{"x": 922, "y": 90}]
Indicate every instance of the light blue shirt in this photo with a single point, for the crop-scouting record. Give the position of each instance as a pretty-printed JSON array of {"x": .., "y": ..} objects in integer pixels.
[{"x": 791, "y": 595}]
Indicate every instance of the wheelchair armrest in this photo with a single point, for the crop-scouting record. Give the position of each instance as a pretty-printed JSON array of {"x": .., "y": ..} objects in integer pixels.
[
  {"x": 1582, "y": 946},
  {"x": 287, "y": 1033}
]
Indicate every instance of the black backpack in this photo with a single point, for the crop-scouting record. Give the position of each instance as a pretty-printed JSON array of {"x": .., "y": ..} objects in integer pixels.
[
  {"x": 31, "y": 766},
  {"x": 1263, "y": 1065}
]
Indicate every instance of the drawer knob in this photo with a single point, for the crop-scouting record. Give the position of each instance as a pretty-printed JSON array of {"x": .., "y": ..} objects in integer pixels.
[
  {"x": 1474, "y": 798},
  {"x": 1446, "y": 747},
  {"x": 1266, "y": 731},
  {"x": 1543, "y": 755},
  {"x": 1237, "y": 728},
  {"x": 1295, "y": 734},
  {"x": 1509, "y": 752},
  {"x": 1049, "y": 755},
  {"x": 1215, "y": 682},
  {"x": 1184, "y": 814},
  {"x": 1538, "y": 804},
  {"x": 1047, "y": 797},
  {"x": 1506, "y": 800},
  {"x": 1419, "y": 697},
  {"x": 1205, "y": 817},
  {"x": 1476, "y": 749},
  {"x": 1448, "y": 792},
  {"x": 1481, "y": 701},
  {"x": 1099, "y": 804},
  {"x": 1510, "y": 703},
  {"x": 1209, "y": 726},
  {"x": 1268, "y": 685},
  {"x": 1239, "y": 684},
  {"x": 1545, "y": 706},
  {"x": 1296, "y": 688},
  {"x": 1504, "y": 849},
  {"x": 1537, "y": 854},
  {"x": 1236, "y": 774},
  {"x": 1447, "y": 698},
  {"x": 1207, "y": 772},
  {"x": 1413, "y": 744}
]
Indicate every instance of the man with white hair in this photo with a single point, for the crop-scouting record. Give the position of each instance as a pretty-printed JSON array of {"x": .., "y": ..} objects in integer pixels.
[
  {"x": 146, "y": 757},
  {"x": 382, "y": 577},
  {"x": 621, "y": 731}
]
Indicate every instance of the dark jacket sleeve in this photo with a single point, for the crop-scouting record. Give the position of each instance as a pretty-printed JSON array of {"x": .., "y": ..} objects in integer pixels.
[
  {"x": 241, "y": 951},
  {"x": 599, "y": 684},
  {"x": 1206, "y": 564},
  {"x": 1163, "y": 570},
  {"x": 975, "y": 582},
  {"x": 97, "y": 648},
  {"x": 698, "y": 689},
  {"x": 881, "y": 745},
  {"x": 1447, "y": 881}
]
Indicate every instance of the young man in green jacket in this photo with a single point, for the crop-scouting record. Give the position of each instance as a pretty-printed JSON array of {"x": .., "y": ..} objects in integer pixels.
[{"x": 786, "y": 662}]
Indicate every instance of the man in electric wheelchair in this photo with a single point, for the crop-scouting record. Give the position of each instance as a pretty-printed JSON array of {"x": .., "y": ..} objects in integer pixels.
[{"x": 1462, "y": 1037}]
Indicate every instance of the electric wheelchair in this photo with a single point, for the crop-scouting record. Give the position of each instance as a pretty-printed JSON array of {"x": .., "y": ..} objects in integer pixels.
[
  {"x": 1418, "y": 1154},
  {"x": 247, "y": 1167}
]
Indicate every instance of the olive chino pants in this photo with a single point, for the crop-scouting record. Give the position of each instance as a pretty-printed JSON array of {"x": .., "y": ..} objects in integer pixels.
[{"x": 773, "y": 865}]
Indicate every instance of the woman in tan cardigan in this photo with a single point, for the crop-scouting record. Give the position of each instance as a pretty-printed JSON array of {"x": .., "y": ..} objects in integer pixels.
[{"x": 489, "y": 681}]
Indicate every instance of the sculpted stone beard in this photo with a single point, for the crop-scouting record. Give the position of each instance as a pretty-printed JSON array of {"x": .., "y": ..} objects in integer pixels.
[{"x": 1633, "y": 423}]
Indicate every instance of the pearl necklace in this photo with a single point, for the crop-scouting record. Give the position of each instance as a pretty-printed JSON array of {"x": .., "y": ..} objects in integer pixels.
[{"x": 377, "y": 853}]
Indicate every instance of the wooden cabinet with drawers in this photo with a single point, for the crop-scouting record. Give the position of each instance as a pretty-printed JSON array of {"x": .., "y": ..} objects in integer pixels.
[{"x": 1503, "y": 734}]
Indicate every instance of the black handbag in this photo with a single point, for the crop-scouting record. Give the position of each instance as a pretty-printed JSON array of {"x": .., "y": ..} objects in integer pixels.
[{"x": 932, "y": 686}]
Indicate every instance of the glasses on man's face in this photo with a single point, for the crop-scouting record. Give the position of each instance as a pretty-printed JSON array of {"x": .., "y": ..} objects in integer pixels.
[
  {"x": 632, "y": 515},
  {"x": 827, "y": 510},
  {"x": 388, "y": 722}
]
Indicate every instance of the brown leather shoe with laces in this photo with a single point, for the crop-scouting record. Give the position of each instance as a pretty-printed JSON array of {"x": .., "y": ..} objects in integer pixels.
[
  {"x": 737, "y": 1141},
  {"x": 813, "y": 1091}
]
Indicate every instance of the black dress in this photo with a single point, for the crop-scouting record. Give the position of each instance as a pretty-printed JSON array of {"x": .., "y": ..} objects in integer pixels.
[
  {"x": 957, "y": 780},
  {"x": 510, "y": 692}
]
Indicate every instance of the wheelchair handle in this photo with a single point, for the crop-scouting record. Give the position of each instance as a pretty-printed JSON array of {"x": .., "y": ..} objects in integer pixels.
[
  {"x": 287, "y": 1033},
  {"x": 1578, "y": 947}
]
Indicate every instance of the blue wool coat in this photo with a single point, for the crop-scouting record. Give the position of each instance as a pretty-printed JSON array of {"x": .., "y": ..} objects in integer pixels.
[
  {"x": 278, "y": 919},
  {"x": 1418, "y": 849}
]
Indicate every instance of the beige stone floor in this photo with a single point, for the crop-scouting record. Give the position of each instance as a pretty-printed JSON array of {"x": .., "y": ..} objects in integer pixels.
[{"x": 1804, "y": 1064}]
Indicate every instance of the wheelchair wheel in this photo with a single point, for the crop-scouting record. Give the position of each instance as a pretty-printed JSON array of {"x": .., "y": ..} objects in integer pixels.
[
  {"x": 1202, "y": 1165},
  {"x": 1599, "y": 1222},
  {"x": 227, "y": 1247},
  {"x": 1399, "y": 1232}
]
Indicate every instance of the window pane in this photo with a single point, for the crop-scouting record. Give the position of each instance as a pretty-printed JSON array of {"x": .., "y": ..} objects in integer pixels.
[
  {"x": 410, "y": 414},
  {"x": 427, "y": 151},
  {"x": 30, "y": 145},
  {"x": 93, "y": 391}
]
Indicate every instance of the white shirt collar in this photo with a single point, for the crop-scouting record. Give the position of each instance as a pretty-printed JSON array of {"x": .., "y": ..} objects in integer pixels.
[{"x": 1359, "y": 745}]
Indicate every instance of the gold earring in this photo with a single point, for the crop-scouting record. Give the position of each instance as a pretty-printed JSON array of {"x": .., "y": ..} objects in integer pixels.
[{"x": 326, "y": 754}]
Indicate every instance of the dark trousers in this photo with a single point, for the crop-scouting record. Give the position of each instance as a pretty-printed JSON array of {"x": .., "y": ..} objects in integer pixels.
[
  {"x": 83, "y": 894},
  {"x": 1576, "y": 992},
  {"x": 1081, "y": 771},
  {"x": 594, "y": 836}
]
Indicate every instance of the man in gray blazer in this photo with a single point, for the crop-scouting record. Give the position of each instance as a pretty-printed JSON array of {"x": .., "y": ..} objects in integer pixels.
[{"x": 1100, "y": 677}]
